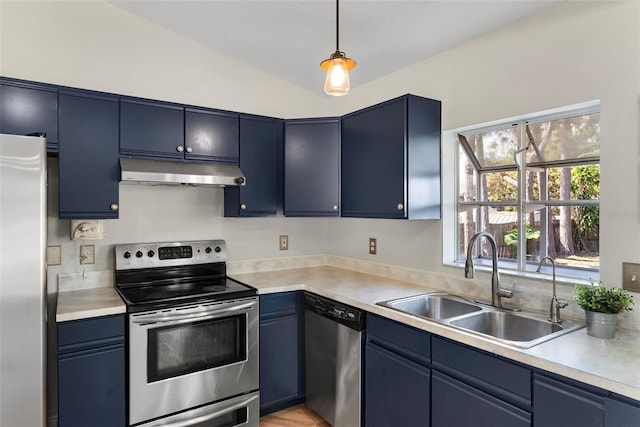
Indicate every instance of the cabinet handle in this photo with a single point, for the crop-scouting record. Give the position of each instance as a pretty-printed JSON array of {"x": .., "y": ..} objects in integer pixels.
[
  {"x": 334, "y": 207},
  {"x": 400, "y": 206},
  {"x": 189, "y": 149},
  {"x": 180, "y": 148},
  {"x": 243, "y": 206},
  {"x": 114, "y": 206}
]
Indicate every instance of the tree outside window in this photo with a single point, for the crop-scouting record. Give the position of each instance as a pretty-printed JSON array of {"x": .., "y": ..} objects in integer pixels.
[{"x": 541, "y": 176}]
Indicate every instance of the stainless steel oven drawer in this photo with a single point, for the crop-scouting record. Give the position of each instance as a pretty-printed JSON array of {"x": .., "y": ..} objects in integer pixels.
[{"x": 238, "y": 411}]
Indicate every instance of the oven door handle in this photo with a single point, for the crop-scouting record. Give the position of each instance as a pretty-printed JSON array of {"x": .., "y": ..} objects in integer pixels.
[
  {"x": 211, "y": 415},
  {"x": 195, "y": 316}
]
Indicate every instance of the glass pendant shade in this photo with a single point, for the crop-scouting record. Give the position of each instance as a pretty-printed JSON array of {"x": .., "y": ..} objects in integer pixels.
[{"x": 337, "y": 81}]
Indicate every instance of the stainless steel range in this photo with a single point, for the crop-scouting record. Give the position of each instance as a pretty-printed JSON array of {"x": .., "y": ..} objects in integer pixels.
[{"x": 193, "y": 336}]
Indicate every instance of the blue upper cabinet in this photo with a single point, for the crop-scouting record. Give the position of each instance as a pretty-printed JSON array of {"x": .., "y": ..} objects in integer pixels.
[
  {"x": 261, "y": 163},
  {"x": 89, "y": 165},
  {"x": 312, "y": 167},
  {"x": 151, "y": 129},
  {"x": 29, "y": 108},
  {"x": 211, "y": 135},
  {"x": 391, "y": 160}
]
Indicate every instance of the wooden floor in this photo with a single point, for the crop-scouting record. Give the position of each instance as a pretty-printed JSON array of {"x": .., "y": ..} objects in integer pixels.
[{"x": 296, "y": 416}]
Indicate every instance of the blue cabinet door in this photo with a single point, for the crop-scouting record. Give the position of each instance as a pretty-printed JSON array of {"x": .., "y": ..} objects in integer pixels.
[
  {"x": 374, "y": 161},
  {"x": 211, "y": 135},
  {"x": 390, "y": 164},
  {"x": 91, "y": 388},
  {"x": 28, "y": 108},
  {"x": 456, "y": 404},
  {"x": 89, "y": 162},
  {"x": 261, "y": 163},
  {"x": 397, "y": 390},
  {"x": 559, "y": 404},
  {"x": 91, "y": 372},
  {"x": 621, "y": 412},
  {"x": 312, "y": 167},
  {"x": 281, "y": 351},
  {"x": 151, "y": 129}
]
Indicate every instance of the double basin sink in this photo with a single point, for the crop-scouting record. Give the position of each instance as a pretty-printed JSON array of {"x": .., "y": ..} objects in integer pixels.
[{"x": 517, "y": 329}]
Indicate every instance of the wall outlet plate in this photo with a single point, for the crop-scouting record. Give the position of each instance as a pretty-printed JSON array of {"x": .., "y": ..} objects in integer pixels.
[
  {"x": 284, "y": 242},
  {"x": 87, "y": 254},
  {"x": 373, "y": 246},
  {"x": 631, "y": 276}
]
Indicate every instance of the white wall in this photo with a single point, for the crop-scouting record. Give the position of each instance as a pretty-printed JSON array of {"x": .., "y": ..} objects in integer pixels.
[{"x": 570, "y": 53}]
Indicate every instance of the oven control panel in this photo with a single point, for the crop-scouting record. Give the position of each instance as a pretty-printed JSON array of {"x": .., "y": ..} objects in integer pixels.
[{"x": 168, "y": 254}]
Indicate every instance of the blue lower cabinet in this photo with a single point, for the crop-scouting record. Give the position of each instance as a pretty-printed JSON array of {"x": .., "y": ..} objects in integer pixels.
[
  {"x": 91, "y": 373},
  {"x": 397, "y": 378},
  {"x": 621, "y": 412},
  {"x": 90, "y": 388},
  {"x": 557, "y": 403},
  {"x": 456, "y": 404},
  {"x": 396, "y": 390},
  {"x": 281, "y": 352}
]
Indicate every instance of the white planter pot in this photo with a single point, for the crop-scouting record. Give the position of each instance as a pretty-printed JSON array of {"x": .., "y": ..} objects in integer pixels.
[{"x": 601, "y": 325}]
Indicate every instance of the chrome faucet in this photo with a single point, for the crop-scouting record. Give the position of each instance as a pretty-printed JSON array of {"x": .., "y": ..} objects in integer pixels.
[
  {"x": 554, "y": 305},
  {"x": 469, "y": 271}
]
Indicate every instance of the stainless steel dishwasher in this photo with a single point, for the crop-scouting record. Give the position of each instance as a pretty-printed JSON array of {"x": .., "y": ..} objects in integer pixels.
[{"x": 333, "y": 348}]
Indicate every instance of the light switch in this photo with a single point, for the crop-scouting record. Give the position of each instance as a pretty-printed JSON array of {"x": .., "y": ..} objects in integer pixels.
[{"x": 631, "y": 276}]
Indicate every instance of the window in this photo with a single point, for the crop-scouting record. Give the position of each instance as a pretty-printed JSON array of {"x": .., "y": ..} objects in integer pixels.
[{"x": 532, "y": 184}]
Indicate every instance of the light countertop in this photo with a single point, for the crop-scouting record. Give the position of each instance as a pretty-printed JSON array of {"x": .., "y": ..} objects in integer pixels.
[
  {"x": 86, "y": 303},
  {"x": 610, "y": 364}
]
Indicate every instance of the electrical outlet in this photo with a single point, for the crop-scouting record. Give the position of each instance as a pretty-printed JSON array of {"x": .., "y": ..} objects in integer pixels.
[
  {"x": 373, "y": 246},
  {"x": 631, "y": 276},
  {"x": 87, "y": 254},
  {"x": 284, "y": 242}
]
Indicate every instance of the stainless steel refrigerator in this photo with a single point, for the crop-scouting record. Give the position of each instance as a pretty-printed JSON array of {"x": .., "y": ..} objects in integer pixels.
[{"x": 23, "y": 289}]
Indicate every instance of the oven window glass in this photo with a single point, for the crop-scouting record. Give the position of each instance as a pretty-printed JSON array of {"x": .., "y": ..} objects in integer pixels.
[{"x": 196, "y": 346}]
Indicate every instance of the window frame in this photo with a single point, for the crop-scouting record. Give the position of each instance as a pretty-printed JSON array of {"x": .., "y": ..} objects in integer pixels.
[{"x": 521, "y": 204}]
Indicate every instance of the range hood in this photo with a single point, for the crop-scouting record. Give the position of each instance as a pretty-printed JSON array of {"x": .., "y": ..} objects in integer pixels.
[{"x": 163, "y": 172}]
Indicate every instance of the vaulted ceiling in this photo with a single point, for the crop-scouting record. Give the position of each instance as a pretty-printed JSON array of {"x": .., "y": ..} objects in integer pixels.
[{"x": 290, "y": 38}]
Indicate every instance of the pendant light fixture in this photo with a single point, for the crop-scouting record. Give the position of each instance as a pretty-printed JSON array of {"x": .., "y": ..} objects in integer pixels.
[{"x": 337, "y": 66}]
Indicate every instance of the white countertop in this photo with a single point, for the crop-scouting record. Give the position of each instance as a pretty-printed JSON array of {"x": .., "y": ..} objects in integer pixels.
[
  {"x": 86, "y": 303},
  {"x": 610, "y": 364}
]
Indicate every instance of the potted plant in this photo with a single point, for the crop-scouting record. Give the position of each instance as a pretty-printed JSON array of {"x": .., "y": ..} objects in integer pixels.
[{"x": 601, "y": 306}]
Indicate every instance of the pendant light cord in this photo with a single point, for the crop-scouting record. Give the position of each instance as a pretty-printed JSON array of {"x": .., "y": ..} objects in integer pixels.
[{"x": 337, "y": 25}]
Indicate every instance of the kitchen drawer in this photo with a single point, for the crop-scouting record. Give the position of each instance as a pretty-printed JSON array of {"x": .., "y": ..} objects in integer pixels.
[
  {"x": 280, "y": 304},
  {"x": 409, "y": 342},
  {"x": 558, "y": 402},
  {"x": 92, "y": 332},
  {"x": 495, "y": 375},
  {"x": 456, "y": 404}
]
